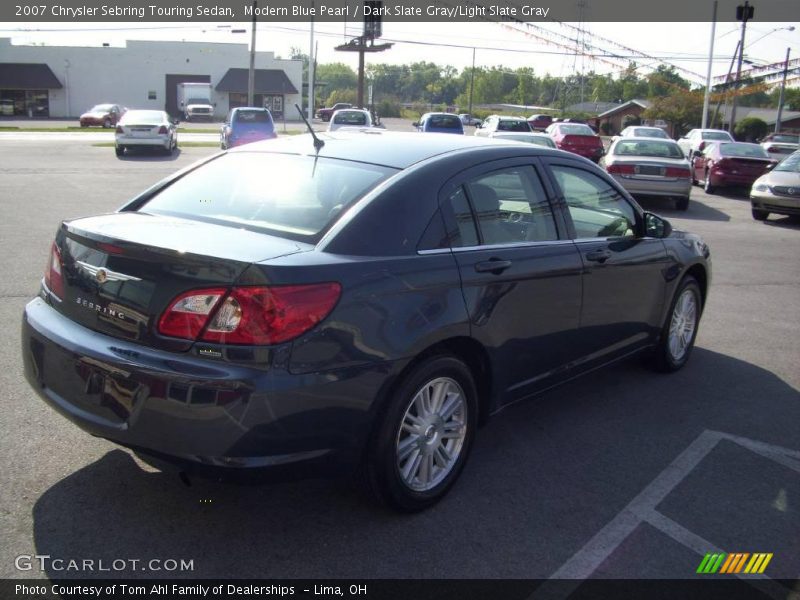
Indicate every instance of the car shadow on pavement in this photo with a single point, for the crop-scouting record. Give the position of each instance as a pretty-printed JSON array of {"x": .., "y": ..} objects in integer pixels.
[
  {"x": 783, "y": 222},
  {"x": 696, "y": 211},
  {"x": 147, "y": 155},
  {"x": 545, "y": 475}
]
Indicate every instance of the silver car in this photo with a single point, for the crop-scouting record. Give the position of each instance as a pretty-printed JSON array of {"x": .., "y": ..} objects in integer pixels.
[
  {"x": 540, "y": 139},
  {"x": 697, "y": 139},
  {"x": 778, "y": 191},
  {"x": 146, "y": 129},
  {"x": 650, "y": 167}
]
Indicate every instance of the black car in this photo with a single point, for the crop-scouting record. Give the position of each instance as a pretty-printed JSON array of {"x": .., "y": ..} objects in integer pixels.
[{"x": 364, "y": 303}]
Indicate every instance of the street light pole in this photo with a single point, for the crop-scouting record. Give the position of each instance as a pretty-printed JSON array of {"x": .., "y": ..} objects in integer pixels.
[
  {"x": 707, "y": 95},
  {"x": 311, "y": 58},
  {"x": 251, "y": 75},
  {"x": 743, "y": 13},
  {"x": 783, "y": 90}
]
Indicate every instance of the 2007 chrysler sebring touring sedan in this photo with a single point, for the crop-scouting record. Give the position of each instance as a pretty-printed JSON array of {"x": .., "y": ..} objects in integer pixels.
[{"x": 362, "y": 303}]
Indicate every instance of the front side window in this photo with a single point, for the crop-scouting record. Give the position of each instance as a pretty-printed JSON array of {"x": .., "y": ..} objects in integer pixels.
[
  {"x": 510, "y": 206},
  {"x": 597, "y": 209}
]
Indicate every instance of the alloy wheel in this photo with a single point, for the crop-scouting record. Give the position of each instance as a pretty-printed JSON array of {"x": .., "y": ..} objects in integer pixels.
[{"x": 683, "y": 324}]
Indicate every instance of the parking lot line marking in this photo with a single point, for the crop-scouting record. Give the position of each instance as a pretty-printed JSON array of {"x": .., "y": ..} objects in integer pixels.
[{"x": 642, "y": 509}]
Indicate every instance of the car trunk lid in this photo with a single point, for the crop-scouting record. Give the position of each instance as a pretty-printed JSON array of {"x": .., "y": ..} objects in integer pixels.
[{"x": 121, "y": 271}]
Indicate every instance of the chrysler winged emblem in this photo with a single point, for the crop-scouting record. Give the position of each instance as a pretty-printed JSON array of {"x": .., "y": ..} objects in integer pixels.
[{"x": 101, "y": 274}]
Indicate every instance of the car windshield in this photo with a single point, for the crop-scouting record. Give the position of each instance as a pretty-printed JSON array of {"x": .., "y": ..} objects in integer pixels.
[
  {"x": 154, "y": 117},
  {"x": 786, "y": 138},
  {"x": 655, "y": 148},
  {"x": 350, "y": 118},
  {"x": 101, "y": 108},
  {"x": 744, "y": 150},
  {"x": 576, "y": 129},
  {"x": 715, "y": 135},
  {"x": 444, "y": 121},
  {"x": 513, "y": 125},
  {"x": 197, "y": 101},
  {"x": 791, "y": 164},
  {"x": 650, "y": 132},
  {"x": 290, "y": 196},
  {"x": 252, "y": 116}
]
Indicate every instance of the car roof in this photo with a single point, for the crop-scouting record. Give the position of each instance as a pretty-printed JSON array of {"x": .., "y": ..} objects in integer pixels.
[{"x": 389, "y": 148}]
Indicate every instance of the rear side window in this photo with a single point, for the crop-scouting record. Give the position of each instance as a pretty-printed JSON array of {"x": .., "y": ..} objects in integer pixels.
[
  {"x": 290, "y": 196},
  {"x": 596, "y": 208},
  {"x": 510, "y": 205}
]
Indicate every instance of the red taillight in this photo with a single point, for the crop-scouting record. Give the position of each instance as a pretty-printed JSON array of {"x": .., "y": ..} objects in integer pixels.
[
  {"x": 249, "y": 315},
  {"x": 162, "y": 130},
  {"x": 678, "y": 172},
  {"x": 621, "y": 169},
  {"x": 119, "y": 129},
  {"x": 53, "y": 278}
]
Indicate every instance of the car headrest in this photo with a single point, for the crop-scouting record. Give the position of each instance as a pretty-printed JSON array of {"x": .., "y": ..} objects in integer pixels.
[{"x": 484, "y": 198}]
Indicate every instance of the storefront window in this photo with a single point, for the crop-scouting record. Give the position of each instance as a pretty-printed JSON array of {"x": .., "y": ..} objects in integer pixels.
[{"x": 24, "y": 103}]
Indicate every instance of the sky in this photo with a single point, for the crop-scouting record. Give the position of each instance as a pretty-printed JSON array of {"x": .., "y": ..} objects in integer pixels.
[{"x": 685, "y": 45}]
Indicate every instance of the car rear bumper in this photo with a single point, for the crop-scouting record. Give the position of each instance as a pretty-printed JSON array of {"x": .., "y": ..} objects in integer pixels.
[
  {"x": 732, "y": 179},
  {"x": 654, "y": 187},
  {"x": 593, "y": 154},
  {"x": 204, "y": 416},
  {"x": 160, "y": 141}
]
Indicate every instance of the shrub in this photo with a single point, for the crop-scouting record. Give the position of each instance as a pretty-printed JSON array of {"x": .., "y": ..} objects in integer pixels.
[{"x": 750, "y": 129}]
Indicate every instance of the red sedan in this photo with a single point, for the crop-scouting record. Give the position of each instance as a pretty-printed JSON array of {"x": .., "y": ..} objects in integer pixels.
[
  {"x": 577, "y": 138},
  {"x": 730, "y": 164},
  {"x": 103, "y": 115}
]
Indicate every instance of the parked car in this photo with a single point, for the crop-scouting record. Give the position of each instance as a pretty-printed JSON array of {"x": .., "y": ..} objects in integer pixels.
[
  {"x": 650, "y": 167},
  {"x": 577, "y": 138},
  {"x": 540, "y": 122},
  {"x": 438, "y": 122},
  {"x": 727, "y": 164},
  {"x": 326, "y": 113},
  {"x": 639, "y": 131},
  {"x": 778, "y": 191},
  {"x": 245, "y": 125},
  {"x": 697, "y": 139},
  {"x": 102, "y": 115},
  {"x": 781, "y": 143},
  {"x": 495, "y": 123},
  {"x": 293, "y": 307},
  {"x": 350, "y": 118},
  {"x": 151, "y": 129},
  {"x": 468, "y": 120},
  {"x": 540, "y": 139},
  {"x": 6, "y": 107}
]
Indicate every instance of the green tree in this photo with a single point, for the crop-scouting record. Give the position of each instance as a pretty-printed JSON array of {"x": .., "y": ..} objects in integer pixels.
[
  {"x": 750, "y": 129},
  {"x": 665, "y": 80},
  {"x": 338, "y": 77},
  {"x": 683, "y": 109}
]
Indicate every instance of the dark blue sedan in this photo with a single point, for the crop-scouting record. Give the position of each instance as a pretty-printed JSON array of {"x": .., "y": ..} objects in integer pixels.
[{"x": 290, "y": 307}]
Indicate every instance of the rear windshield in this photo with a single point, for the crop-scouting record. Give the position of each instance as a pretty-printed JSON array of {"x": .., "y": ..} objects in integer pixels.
[
  {"x": 715, "y": 135},
  {"x": 791, "y": 163},
  {"x": 252, "y": 116},
  {"x": 142, "y": 116},
  {"x": 576, "y": 129},
  {"x": 746, "y": 150},
  {"x": 350, "y": 118},
  {"x": 784, "y": 138},
  {"x": 291, "y": 196},
  {"x": 650, "y": 132},
  {"x": 653, "y": 148},
  {"x": 444, "y": 121},
  {"x": 508, "y": 125}
]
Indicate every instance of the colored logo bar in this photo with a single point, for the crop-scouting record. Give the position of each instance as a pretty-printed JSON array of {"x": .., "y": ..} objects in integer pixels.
[{"x": 734, "y": 563}]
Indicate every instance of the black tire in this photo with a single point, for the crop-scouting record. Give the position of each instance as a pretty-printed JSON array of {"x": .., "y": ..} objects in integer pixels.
[
  {"x": 682, "y": 203},
  {"x": 326, "y": 118},
  {"x": 107, "y": 124},
  {"x": 664, "y": 359},
  {"x": 759, "y": 214},
  {"x": 709, "y": 189},
  {"x": 119, "y": 150},
  {"x": 382, "y": 470}
]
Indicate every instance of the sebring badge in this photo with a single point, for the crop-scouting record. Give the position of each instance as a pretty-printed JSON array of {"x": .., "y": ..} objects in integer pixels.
[{"x": 101, "y": 274}]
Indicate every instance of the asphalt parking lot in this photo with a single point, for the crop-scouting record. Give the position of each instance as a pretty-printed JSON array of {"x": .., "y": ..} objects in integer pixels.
[{"x": 623, "y": 473}]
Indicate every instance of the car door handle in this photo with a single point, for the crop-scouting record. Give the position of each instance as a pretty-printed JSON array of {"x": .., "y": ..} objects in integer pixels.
[
  {"x": 600, "y": 256},
  {"x": 493, "y": 265}
]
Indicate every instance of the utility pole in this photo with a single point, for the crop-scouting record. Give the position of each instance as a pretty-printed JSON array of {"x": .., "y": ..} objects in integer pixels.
[
  {"x": 311, "y": 57},
  {"x": 783, "y": 90},
  {"x": 743, "y": 13},
  {"x": 251, "y": 74},
  {"x": 471, "y": 82},
  {"x": 707, "y": 95}
]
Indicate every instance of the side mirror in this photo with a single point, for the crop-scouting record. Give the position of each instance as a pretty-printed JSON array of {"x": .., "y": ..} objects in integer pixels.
[{"x": 656, "y": 227}]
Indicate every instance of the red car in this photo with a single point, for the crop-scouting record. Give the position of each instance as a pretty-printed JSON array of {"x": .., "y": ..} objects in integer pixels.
[
  {"x": 540, "y": 122},
  {"x": 103, "y": 115},
  {"x": 578, "y": 139},
  {"x": 729, "y": 164}
]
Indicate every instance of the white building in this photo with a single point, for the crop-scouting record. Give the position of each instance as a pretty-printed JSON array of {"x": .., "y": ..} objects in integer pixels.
[{"x": 64, "y": 81}]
